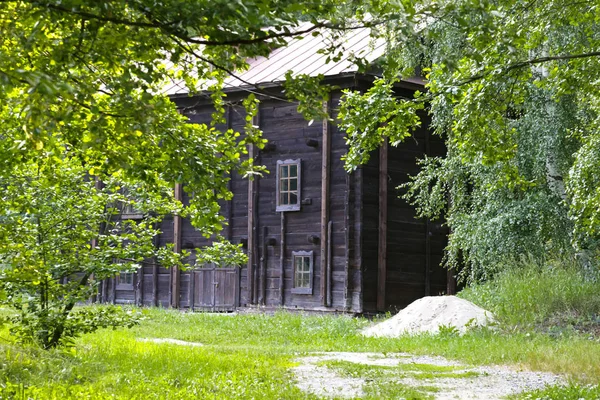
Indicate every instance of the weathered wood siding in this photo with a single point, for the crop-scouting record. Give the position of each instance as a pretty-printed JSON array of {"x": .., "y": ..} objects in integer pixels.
[{"x": 414, "y": 246}]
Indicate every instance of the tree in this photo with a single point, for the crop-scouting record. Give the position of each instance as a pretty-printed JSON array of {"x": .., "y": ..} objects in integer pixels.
[
  {"x": 512, "y": 87},
  {"x": 60, "y": 234},
  {"x": 81, "y": 101}
]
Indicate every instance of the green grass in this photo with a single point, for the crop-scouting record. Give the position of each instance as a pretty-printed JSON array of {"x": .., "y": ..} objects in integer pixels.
[
  {"x": 250, "y": 356},
  {"x": 548, "y": 322}
]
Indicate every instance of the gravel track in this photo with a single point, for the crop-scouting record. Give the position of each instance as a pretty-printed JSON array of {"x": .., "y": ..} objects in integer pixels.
[{"x": 490, "y": 382}]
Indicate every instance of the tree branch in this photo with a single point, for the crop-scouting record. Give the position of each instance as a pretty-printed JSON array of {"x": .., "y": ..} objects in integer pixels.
[{"x": 529, "y": 62}]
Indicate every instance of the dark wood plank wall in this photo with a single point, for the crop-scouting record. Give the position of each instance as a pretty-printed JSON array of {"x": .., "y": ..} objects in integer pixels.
[
  {"x": 353, "y": 210},
  {"x": 346, "y": 284},
  {"x": 370, "y": 230},
  {"x": 414, "y": 246},
  {"x": 288, "y": 132}
]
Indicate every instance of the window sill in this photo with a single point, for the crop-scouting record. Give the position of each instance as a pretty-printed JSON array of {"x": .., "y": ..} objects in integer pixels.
[
  {"x": 302, "y": 291},
  {"x": 294, "y": 207}
]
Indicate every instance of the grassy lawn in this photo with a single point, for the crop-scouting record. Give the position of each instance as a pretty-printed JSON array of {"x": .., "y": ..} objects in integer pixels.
[{"x": 250, "y": 355}]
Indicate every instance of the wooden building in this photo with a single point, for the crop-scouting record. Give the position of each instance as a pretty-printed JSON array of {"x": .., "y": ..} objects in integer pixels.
[{"x": 317, "y": 238}]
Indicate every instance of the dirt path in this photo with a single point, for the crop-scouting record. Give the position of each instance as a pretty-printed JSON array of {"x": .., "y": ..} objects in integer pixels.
[{"x": 348, "y": 375}]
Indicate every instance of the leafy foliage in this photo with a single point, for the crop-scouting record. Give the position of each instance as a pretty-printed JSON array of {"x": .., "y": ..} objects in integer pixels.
[
  {"x": 83, "y": 102},
  {"x": 512, "y": 89},
  {"x": 60, "y": 235}
]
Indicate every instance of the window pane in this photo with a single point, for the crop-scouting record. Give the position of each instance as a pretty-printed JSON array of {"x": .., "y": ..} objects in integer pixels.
[
  {"x": 284, "y": 185},
  {"x": 293, "y": 184},
  {"x": 283, "y": 198},
  {"x": 283, "y": 171},
  {"x": 293, "y": 170},
  {"x": 293, "y": 198}
]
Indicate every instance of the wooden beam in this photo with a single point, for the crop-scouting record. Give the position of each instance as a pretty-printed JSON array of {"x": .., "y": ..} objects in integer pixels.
[
  {"x": 325, "y": 174},
  {"x": 156, "y": 242},
  {"x": 347, "y": 229},
  {"x": 140, "y": 286},
  {"x": 263, "y": 268},
  {"x": 450, "y": 281},
  {"x": 282, "y": 260},
  {"x": 427, "y": 234},
  {"x": 229, "y": 216},
  {"x": 382, "y": 247},
  {"x": 358, "y": 236},
  {"x": 251, "y": 225},
  {"x": 328, "y": 301},
  {"x": 175, "y": 272}
]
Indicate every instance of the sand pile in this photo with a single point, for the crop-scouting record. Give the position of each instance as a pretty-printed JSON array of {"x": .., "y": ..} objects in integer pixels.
[{"x": 429, "y": 313}]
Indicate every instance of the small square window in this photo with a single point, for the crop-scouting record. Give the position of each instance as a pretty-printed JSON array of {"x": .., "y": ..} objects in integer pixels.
[
  {"x": 288, "y": 185},
  {"x": 303, "y": 272},
  {"x": 125, "y": 280}
]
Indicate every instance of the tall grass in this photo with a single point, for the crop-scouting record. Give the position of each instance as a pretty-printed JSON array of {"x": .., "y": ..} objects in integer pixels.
[{"x": 552, "y": 295}]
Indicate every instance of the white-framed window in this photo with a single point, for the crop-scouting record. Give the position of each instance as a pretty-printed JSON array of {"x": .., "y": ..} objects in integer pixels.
[
  {"x": 125, "y": 280},
  {"x": 303, "y": 272},
  {"x": 288, "y": 185}
]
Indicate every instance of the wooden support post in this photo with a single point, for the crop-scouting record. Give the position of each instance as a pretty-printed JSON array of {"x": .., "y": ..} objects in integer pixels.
[
  {"x": 192, "y": 301},
  {"x": 282, "y": 260},
  {"x": 450, "y": 281},
  {"x": 105, "y": 291},
  {"x": 256, "y": 267},
  {"x": 156, "y": 242},
  {"x": 427, "y": 258},
  {"x": 140, "y": 286},
  {"x": 251, "y": 225},
  {"x": 325, "y": 174},
  {"x": 98, "y": 185},
  {"x": 230, "y": 184},
  {"x": 382, "y": 247},
  {"x": 358, "y": 235},
  {"x": 427, "y": 234},
  {"x": 263, "y": 268},
  {"x": 347, "y": 244},
  {"x": 328, "y": 301},
  {"x": 175, "y": 272}
]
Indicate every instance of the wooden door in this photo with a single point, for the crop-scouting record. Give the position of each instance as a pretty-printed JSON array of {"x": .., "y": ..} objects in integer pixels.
[{"x": 215, "y": 289}]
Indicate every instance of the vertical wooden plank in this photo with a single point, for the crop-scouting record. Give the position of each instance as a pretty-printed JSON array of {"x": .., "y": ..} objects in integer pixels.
[
  {"x": 427, "y": 258},
  {"x": 229, "y": 215},
  {"x": 140, "y": 286},
  {"x": 192, "y": 289},
  {"x": 250, "y": 243},
  {"x": 190, "y": 294},
  {"x": 450, "y": 281},
  {"x": 347, "y": 244},
  {"x": 236, "y": 292},
  {"x": 256, "y": 239},
  {"x": 358, "y": 234},
  {"x": 175, "y": 272},
  {"x": 325, "y": 174},
  {"x": 427, "y": 234},
  {"x": 329, "y": 264},
  {"x": 263, "y": 267},
  {"x": 105, "y": 291},
  {"x": 382, "y": 247},
  {"x": 156, "y": 243},
  {"x": 98, "y": 185},
  {"x": 282, "y": 260},
  {"x": 251, "y": 225}
]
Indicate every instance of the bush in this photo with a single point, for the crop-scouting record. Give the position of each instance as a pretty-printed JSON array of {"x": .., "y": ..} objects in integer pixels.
[{"x": 531, "y": 294}]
